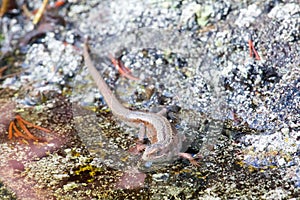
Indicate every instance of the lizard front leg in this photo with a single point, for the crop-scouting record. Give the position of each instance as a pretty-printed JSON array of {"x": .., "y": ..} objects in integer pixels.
[{"x": 190, "y": 158}]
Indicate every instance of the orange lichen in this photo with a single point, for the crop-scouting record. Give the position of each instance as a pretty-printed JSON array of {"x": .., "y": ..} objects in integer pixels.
[{"x": 24, "y": 132}]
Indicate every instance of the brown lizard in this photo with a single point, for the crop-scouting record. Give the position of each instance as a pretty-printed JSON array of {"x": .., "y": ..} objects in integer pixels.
[{"x": 166, "y": 143}]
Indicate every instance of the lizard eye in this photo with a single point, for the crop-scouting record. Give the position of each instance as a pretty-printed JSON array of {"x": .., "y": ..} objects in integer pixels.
[
  {"x": 155, "y": 152},
  {"x": 158, "y": 152}
]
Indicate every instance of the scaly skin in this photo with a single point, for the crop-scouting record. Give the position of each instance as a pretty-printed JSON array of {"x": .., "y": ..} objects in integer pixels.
[{"x": 165, "y": 142}]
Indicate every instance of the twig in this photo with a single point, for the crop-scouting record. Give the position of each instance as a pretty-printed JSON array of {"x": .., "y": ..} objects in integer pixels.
[
  {"x": 40, "y": 12},
  {"x": 26, "y": 12},
  {"x": 4, "y": 7},
  {"x": 10, "y": 75},
  {"x": 2, "y": 70}
]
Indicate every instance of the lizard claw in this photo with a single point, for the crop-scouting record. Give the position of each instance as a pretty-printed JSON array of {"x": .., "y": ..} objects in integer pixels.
[{"x": 194, "y": 162}]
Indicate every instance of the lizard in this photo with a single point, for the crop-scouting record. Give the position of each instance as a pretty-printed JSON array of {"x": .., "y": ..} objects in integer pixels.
[{"x": 165, "y": 142}]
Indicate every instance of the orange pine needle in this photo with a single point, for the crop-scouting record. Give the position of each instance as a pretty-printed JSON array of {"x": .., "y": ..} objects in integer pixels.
[
  {"x": 59, "y": 4},
  {"x": 18, "y": 117},
  {"x": 14, "y": 131},
  {"x": 123, "y": 70},
  {"x": 252, "y": 50},
  {"x": 24, "y": 128},
  {"x": 18, "y": 133},
  {"x": 10, "y": 130}
]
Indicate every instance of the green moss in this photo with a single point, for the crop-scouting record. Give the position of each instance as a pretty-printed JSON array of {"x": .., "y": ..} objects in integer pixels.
[
  {"x": 203, "y": 15},
  {"x": 5, "y": 193},
  {"x": 1, "y": 37}
]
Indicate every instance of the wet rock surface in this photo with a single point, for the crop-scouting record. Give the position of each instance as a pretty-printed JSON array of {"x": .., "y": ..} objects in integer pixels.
[{"x": 240, "y": 113}]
